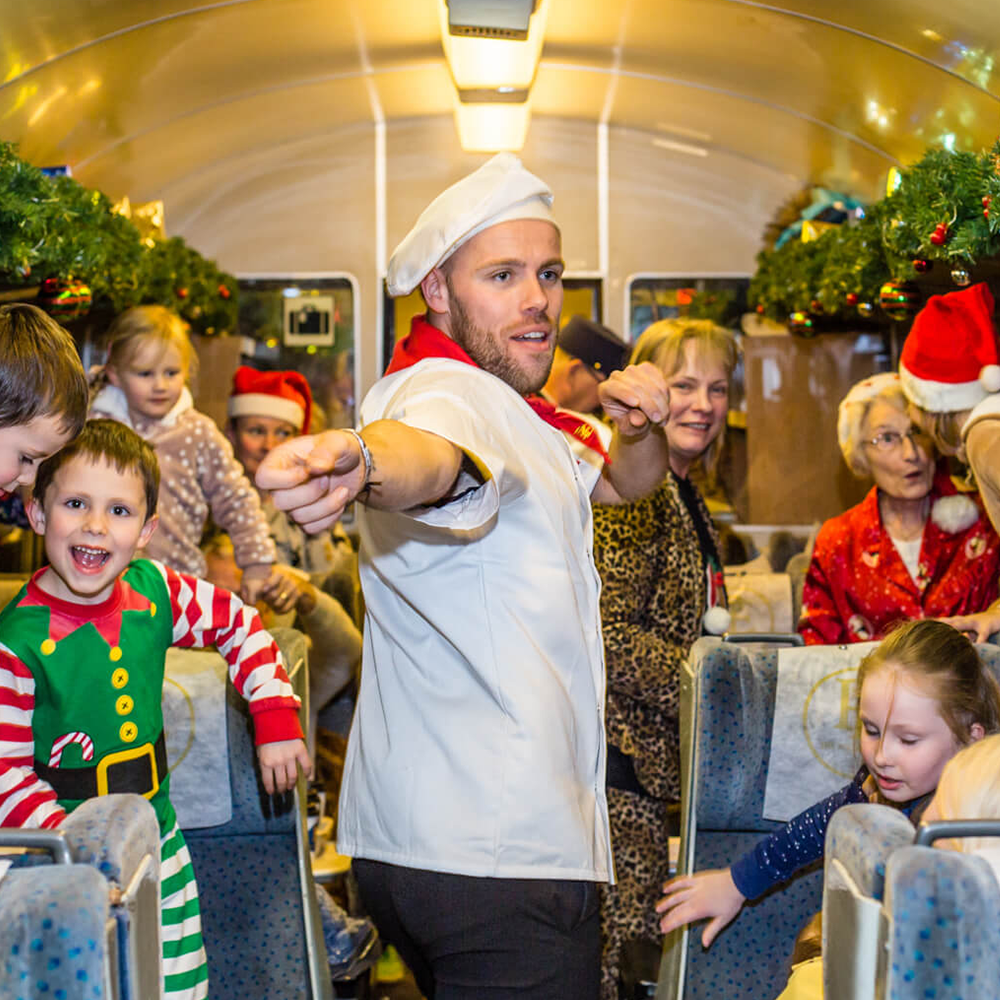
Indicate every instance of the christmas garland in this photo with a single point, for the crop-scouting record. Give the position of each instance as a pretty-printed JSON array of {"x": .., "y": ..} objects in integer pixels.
[
  {"x": 66, "y": 240},
  {"x": 934, "y": 232}
]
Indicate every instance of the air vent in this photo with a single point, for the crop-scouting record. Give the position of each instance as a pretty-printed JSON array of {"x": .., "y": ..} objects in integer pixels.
[{"x": 506, "y": 19}]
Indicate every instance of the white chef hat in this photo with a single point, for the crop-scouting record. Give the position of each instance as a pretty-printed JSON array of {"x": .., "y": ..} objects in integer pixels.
[{"x": 501, "y": 190}]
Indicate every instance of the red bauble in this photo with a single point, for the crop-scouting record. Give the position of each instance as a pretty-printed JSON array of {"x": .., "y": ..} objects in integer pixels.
[
  {"x": 939, "y": 235},
  {"x": 921, "y": 266},
  {"x": 224, "y": 292},
  {"x": 760, "y": 310},
  {"x": 182, "y": 293},
  {"x": 851, "y": 298}
]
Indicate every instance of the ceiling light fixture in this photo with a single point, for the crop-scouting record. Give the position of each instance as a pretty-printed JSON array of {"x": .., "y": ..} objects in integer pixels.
[
  {"x": 492, "y": 127},
  {"x": 490, "y": 49}
]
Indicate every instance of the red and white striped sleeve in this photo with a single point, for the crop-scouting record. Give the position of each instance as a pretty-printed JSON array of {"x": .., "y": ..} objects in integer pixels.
[
  {"x": 206, "y": 615},
  {"x": 25, "y": 800}
]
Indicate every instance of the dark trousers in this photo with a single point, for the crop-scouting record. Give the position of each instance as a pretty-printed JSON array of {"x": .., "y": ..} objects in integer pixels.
[{"x": 467, "y": 938}]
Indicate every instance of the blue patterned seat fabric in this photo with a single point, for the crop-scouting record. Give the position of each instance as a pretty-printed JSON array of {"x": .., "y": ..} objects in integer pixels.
[
  {"x": 862, "y": 838},
  {"x": 52, "y": 936},
  {"x": 944, "y": 933},
  {"x": 750, "y": 959},
  {"x": 734, "y": 716},
  {"x": 113, "y": 833},
  {"x": 253, "y": 919}
]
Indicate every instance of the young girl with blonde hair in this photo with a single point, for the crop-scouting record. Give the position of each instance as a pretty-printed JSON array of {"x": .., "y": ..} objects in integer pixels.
[
  {"x": 149, "y": 361},
  {"x": 923, "y": 694}
]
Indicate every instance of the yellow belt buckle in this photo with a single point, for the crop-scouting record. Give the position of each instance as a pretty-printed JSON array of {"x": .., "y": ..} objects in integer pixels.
[{"x": 122, "y": 755}]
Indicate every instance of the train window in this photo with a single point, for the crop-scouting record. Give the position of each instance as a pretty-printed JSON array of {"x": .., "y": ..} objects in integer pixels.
[
  {"x": 307, "y": 324},
  {"x": 654, "y": 297},
  {"x": 581, "y": 296}
]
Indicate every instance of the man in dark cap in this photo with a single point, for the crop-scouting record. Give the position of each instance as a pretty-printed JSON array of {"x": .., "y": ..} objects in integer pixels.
[{"x": 586, "y": 354}]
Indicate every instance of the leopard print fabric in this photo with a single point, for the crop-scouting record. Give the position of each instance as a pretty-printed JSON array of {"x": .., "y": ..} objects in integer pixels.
[
  {"x": 652, "y": 602},
  {"x": 640, "y": 847}
]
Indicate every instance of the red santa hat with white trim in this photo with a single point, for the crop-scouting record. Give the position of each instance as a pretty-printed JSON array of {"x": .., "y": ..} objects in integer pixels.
[
  {"x": 950, "y": 360},
  {"x": 282, "y": 395}
]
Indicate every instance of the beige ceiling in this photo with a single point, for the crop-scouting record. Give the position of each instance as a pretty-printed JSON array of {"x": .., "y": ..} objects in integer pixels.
[{"x": 141, "y": 95}]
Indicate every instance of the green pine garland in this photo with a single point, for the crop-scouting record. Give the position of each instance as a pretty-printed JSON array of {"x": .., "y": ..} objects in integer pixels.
[
  {"x": 846, "y": 266},
  {"x": 56, "y": 228}
]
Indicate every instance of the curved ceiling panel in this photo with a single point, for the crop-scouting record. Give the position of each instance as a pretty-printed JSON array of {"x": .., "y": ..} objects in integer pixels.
[
  {"x": 885, "y": 97},
  {"x": 685, "y": 121},
  {"x": 225, "y": 133},
  {"x": 138, "y": 94},
  {"x": 960, "y": 37}
]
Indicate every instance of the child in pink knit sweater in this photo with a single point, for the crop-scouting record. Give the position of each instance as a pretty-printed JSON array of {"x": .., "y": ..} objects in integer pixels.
[{"x": 149, "y": 359}]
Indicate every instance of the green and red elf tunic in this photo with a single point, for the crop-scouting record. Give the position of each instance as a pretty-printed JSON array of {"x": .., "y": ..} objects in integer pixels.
[{"x": 81, "y": 688}]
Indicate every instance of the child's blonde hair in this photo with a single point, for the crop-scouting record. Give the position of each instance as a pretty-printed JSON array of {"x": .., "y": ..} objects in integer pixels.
[
  {"x": 969, "y": 788},
  {"x": 127, "y": 332},
  {"x": 943, "y": 658}
]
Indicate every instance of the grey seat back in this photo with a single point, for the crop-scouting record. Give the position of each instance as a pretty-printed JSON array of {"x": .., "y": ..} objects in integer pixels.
[
  {"x": 260, "y": 920},
  {"x": 118, "y": 835},
  {"x": 57, "y": 936},
  {"x": 859, "y": 842},
  {"x": 727, "y": 713},
  {"x": 943, "y": 931}
]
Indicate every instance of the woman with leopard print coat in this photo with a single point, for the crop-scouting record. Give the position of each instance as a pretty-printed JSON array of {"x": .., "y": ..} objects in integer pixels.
[{"x": 662, "y": 587}]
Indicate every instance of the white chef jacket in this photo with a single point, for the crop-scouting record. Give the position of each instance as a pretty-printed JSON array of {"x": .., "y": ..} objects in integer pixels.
[{"x": 478, "y": 742}]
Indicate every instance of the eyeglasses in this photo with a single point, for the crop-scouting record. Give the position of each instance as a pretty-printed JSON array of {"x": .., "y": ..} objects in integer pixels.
[{"x": 893, "y": 440}]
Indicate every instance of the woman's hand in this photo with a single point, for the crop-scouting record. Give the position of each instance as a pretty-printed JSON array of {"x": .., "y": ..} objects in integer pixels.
[
  {"x": 288, "y": 590},
  {"x": 978, "y": 627},
  {"x": 710, "y": 894}
]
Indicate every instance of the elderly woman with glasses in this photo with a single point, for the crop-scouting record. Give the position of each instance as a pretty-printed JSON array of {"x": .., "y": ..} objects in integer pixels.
[{"x": 915, "y": 547}]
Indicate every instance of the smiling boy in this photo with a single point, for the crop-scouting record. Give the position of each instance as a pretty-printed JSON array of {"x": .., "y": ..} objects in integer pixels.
[{"x": 82, "y": 650}]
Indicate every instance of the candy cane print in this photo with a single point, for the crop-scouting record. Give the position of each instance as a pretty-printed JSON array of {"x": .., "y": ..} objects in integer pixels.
[{"x": 86, "y": 746}]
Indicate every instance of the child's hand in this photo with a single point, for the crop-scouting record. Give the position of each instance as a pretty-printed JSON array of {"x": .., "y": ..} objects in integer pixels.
[
  {"x": 255, "y": 578},
  {"x": 277, "y": 764},
  {"x": 693, "y": 897}
]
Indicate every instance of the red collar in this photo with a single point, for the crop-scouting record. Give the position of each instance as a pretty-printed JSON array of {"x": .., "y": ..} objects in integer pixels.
[{"x": 427, "y": 341}]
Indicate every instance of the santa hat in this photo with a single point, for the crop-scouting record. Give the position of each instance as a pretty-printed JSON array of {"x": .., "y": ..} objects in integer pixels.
[
  {"x": 950, "y": 360},
  {"x": 282, "y": 395}
]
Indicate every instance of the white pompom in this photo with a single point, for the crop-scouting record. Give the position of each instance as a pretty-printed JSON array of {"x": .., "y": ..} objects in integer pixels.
[
  {"x": 954, "y": 513},
  {"x": 989, "y": 378},
  {"x": 716, "y": 620}
]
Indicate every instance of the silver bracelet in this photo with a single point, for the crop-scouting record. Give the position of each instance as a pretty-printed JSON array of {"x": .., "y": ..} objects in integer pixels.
[{"x": 365, "y": 454}]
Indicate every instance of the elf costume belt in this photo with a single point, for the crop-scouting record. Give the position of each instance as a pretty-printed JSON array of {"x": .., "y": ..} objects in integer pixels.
[{"x": 138, "y": 770}]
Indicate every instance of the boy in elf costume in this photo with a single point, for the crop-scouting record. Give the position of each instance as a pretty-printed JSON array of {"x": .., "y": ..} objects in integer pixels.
[{"x": 82, "y": 650}]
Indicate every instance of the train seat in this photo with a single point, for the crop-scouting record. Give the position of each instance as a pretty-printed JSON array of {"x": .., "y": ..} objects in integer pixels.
[
  {"x": 859, "y": 843},
  {"x": 759, "y": 601},
  {"x": 727, "y": 706},
  {"x": 728, "y": 694},
  {"x": 57, "y": 937},
  {"x": 118, "y": 835},
  {"x": 943, "y": 934},
  {"x": 260, "y": 919}
]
